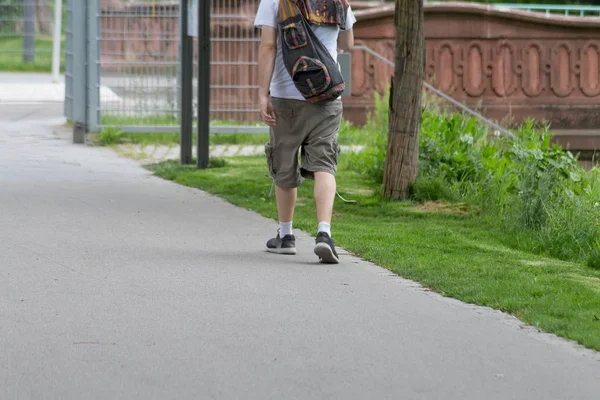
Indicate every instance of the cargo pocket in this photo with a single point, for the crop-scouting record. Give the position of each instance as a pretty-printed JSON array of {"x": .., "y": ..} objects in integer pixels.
[
  {"x": 294, "y": 36},
  {"x": 269, "y": 155},
  {"x": 337, "y": 150},
  {"x": 311, "y": 76}
]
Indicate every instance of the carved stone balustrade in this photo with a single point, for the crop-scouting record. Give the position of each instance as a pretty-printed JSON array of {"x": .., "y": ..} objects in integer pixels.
[{"x": 509, "y": 64}]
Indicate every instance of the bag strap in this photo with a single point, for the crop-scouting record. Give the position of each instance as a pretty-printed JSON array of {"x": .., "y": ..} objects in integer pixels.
[
  {"x": 292, "y": 8},
  {"x": 287, "y": 10}
]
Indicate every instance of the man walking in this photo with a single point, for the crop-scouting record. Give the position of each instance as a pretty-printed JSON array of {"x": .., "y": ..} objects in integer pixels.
[{"x": 299, "y": 127}]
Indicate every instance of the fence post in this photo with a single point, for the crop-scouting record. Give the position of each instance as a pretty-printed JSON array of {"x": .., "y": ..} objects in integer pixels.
[
  {"x": 57, "y": 39},
  {"x": 186, "y": 80},
  {"x": 79, "y": 49},
  {"x": 93, "y": 65},
  {"x": 179, "y": 56},
  {"x": 203, "y": 84},
  {"x": 28, "y": 31},
  {"x": 69, "y": 63}
]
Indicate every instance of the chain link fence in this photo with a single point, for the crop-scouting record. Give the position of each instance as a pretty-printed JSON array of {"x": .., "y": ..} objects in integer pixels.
[{"x": 26, "y": 28}]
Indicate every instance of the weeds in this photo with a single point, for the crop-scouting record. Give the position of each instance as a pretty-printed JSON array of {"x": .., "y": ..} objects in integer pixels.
[
  {"x": 111, "y": 136},
  {"x": 537, "y": 192}
]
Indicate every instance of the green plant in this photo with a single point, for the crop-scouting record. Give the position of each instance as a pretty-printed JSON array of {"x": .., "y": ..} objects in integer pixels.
[
  {"x": 431, "y": 188},
  {"x": 593, "y": 260},
  {"x": 533, "y": 189},
  {"x": 371, "y": 161},
  {"x": 110, "y": 136},
  {"x": 216, "y": 162},
  {"x": 11, "y": 14}
]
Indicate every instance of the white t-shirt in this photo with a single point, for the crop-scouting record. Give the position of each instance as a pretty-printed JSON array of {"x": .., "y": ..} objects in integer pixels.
[{"x": 282, "y": 85}]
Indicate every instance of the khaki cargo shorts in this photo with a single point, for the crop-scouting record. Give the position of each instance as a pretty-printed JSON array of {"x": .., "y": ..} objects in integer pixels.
[{"x": 305, "y": 131}]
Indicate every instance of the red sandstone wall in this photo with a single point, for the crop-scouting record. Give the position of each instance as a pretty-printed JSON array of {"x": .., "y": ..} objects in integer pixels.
[{"x": 515, "y": 64}]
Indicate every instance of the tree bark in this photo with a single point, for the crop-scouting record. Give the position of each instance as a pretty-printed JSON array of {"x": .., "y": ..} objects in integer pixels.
[
  {"x": 405, "y": 100},
  {"x": 44, "y": 17}
]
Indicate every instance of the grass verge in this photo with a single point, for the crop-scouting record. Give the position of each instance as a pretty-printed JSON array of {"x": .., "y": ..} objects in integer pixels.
[
  {"x": 451, "y": 249},
  {"x": 348, "y": 134},
  {"x": 11, "y": 56},
  {"x": 111, "y": 136}
]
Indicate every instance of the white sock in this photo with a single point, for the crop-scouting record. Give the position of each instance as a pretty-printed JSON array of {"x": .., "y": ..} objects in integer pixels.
[
  {"x": 325, "y": 227},
  {"x": 285, "y": 228}
]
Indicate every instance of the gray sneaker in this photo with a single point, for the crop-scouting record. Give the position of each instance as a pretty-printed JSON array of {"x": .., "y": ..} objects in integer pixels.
[
  {"x": 325, "y": 249},
  {"x": 285, "y": 245}
]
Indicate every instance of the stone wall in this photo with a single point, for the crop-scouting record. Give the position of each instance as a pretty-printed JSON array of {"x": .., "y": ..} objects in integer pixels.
[{"x": 511, "y": 64}]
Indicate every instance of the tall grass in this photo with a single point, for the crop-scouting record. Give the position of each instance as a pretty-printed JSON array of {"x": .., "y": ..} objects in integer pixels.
[{"x": 544, "y": 201}]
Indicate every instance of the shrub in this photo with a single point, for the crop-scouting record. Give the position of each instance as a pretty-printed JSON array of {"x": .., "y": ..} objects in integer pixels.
[
  {"x": 12, "y": 13},
  {"x": 431, "y": 188},
  {"x": 540, "y": 196},
  {"x": 371, "y": 161}
]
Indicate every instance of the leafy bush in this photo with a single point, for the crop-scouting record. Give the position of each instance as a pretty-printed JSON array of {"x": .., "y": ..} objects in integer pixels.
[
  {"x": 431, "y": 188},
  {"x": 371, "y": 161},
  {"x": 11, "y": 13},
  {"x": 542, "y": 199}
]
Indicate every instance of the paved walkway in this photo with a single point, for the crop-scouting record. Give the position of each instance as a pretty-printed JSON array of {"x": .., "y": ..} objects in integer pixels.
[
  {"x": 118, "y": 285},
  {"x": 24, "y": 87}
]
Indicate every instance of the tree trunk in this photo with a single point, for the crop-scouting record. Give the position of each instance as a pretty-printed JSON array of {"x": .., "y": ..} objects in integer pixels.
[
  {"x": 44, "y": 17},
  {"x": 405, "y": 100}
]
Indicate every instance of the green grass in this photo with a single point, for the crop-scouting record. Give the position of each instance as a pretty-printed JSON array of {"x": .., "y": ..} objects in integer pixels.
[
  {"x": 458, "y": 254},
  {"x": 348, "y": 134},
  {"x": 112, "y": 136},
  {"x": 11, "y": 55},
  {"x": 117, "y": 121},
  {"x": 215, "y": 139}
]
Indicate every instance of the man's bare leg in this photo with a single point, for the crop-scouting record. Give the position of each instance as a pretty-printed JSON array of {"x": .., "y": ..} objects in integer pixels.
[
  {"x": 284, "y": 242},
  {"x": 324, "y": 192},
  {"x": 325, "y": 187},
  {"x": 286, "y": 201}
]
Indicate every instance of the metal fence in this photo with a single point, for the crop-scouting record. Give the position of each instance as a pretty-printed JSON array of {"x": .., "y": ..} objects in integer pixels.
[
  {"x": 139, "y": 62},
  {"x": 26, "y": 29},
  {"x": 139, "y": 66},
  {"x": 568, "y": 10},
  {"x": 235, "y": 44}
]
